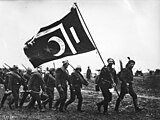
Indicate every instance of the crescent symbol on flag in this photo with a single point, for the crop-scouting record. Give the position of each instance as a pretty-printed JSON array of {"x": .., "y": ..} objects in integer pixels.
[{"x": 60, "y": 43}]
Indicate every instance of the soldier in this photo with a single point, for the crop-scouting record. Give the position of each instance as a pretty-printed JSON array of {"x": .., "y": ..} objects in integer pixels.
[
  {"x": 88, "y": 73},
  {"x": 126, "y": 77},
  {"x": 14, "y": 83},
  {"x": 26, "y": 76},
  {"x": 62, "y": 76},
  {"x": 107, "y": 80},
  {"x": 49, "y": 80},
  {"x": 35, "y": 85},
  {"x": 76, "y": 81},
  {"x": 7, "y": 92}
]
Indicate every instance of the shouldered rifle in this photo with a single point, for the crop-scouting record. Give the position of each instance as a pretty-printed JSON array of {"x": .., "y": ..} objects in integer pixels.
[
  {"x": 115, "y": 87},
  {"x": 23, "y": 79}
]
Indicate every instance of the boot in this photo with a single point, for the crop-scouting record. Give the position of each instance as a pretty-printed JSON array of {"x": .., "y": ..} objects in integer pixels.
[
  {"x": 137, "y": 109},
  {"x": 42, "y": 110},
  {"x": 65, "y": 107},
  {"x": 98, "y": 107},
  {"x": 116, "y": 109},
  {"x": 105, "y": 112}
]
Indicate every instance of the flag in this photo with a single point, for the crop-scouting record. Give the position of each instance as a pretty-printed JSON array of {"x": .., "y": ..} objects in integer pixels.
[{"x": 63, "y": 38}]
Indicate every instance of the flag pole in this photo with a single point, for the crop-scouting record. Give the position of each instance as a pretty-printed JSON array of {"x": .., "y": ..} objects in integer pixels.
[{"x": 89, "y": 33}]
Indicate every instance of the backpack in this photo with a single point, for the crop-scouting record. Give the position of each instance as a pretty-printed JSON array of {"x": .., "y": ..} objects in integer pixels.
[
  {"x": 120, "y": 75},
  {"x": 97, "y": 80}
]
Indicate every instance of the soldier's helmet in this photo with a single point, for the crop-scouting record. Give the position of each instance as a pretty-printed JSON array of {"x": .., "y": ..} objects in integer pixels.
[
  {"x": 78, "y": 68},
  {"x": 15, "y": 67},
  {"x": 110, "y": 60},
  {"x": 29, "y": 69},
  {"x": 51, "y": 69},
  {"x": 65, "y": 62}
]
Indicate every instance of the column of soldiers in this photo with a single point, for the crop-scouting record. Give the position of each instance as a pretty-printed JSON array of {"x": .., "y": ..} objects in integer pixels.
[{"x": 40, "y": 89}]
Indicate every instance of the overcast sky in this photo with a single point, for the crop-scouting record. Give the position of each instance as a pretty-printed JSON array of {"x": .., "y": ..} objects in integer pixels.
[{"x": 120, "y": 28}]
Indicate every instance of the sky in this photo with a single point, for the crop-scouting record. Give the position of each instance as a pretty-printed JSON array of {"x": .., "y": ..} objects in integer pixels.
[{"x": 120, "y": 29}]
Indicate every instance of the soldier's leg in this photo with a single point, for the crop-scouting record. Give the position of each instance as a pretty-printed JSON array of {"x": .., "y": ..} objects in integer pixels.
[
  {"x": 107, "y": 99},
  {"x": 72, "y": 99},
  {"x": 4, "y": 99},
  {"x": 101, "y": 102},
  {"x": 32, "y": 102},
  {"x": 58, "y": 101},
  {"x": 80, "y": 99},
  {"x": 38, "y": 99},
  {"x": 16, "y": 98},
  {"x": 120, "y": 98},
  {"x": 25, "y": 94},
  {"x": 51, "y": 94},
  {"x": 47, "y": 101},
  {"x": 134, "y": 96},
  {"x": 63, "y": 99}
]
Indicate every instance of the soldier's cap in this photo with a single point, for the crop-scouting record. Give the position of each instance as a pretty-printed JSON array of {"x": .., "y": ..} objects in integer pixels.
[
  {"x": 29, "y": 69},
  {"x": 14, "y": 68},
  {"x": 110, "y": 60},
  {"x": 52, "y": 69},
  {"x": 65, "y": 62},
  {"x": 131, "y": 61},
  {"x": 78, "y": 68}
]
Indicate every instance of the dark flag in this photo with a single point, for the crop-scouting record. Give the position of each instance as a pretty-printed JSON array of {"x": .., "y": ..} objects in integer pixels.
[{"x": 65, "y": 37}]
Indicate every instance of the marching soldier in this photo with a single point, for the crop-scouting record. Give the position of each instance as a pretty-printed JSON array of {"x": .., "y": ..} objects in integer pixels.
[
  {"x": 107, "y": 80},
  {"x": 88, "y": 73},
  {"x": 14, "y": 83},
  {"x": 76, "y": 81},
  {"x": 62, "y": 76},
  {"x": 126, "y": 77},
  {"x": 35, "y": 85},
  {"x": 7, "y": 91},
  {"x": 49, "y": 80},
  {"x": 26, "y": 76}
]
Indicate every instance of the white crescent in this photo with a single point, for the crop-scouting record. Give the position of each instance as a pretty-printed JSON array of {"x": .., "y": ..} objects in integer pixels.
[{"x": 61, "y": 44}]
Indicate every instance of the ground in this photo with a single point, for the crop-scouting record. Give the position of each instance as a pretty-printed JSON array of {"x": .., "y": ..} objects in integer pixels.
[{"x": 149, "y": 99}]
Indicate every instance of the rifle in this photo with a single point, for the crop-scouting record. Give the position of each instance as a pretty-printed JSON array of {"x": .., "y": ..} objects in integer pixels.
[
  {"x": 24, "y": 66},
  {"x": 115, "y": 87}
]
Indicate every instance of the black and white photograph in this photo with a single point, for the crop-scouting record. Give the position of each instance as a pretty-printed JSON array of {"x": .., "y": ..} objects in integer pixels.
[{"x": 80, "y": 59}]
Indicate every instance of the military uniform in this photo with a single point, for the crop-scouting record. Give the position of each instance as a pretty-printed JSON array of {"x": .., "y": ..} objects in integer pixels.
[
  {"x": 35, "y": 84},
  {"x": 107, "y": 77},
  {"x": 49, "y": 80},
  {"x": 26, "y": 92},
  {"x": 61, "y": 78},
  {"x": 126, "y": 77},
  {"x": 76, "y": 81},
  {"x": 7, "y": 92},
  {"x": 14, "y": 83}
]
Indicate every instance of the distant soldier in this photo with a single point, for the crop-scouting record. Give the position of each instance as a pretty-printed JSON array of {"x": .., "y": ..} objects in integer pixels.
[
  {"x": 76, "y": 81},
  {"x": 26, "y": 76},
  {"x": 62, "y": 76},
  {"x": 107, "y": 80},
  {"x": 88, "y": 73},
  {"x": 7, "y": 92},
  {"x": 49, "y": 80},
  {"x": 35, "y": 85},
  {"x": 14, "y": 83},
  {"x": 126, "y": 76}
]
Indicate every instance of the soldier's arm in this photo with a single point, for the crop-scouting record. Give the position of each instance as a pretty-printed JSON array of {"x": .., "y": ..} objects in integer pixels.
[
  {"x": 30, "y": 82},
  {"x": 84, "y": 81},
  {"x": 43, "y": 86},
  {"x": 58, "y": 77},
  {"x": 10, "y": 82},
  {"x": 72, "y": 78}
]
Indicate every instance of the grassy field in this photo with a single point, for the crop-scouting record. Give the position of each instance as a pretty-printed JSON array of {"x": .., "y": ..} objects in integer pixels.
[{"x": 149, "y": 100}]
